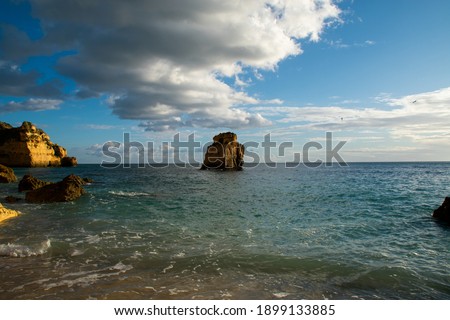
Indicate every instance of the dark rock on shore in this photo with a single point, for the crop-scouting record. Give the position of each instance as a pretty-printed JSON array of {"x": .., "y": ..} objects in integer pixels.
[
  {"x": 7, "y": 174},
  {"x": 88, "y": 180},
  {"x": 225, "y": 153},
  {"x": 69, "y": 189},
  {"x": 12, "y": 199},
  {"x": 443, "y": 212},
  {"x": 29, "y": 182}
]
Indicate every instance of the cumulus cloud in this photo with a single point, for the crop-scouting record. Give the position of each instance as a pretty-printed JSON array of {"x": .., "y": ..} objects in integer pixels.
[
  {"x": 30, "y": 105},
  {"x": 422, "y": 117},
  {"x": 166, "y": 62}
]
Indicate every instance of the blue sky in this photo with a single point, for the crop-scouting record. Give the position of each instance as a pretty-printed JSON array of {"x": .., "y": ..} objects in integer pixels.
[{"x": 374, "y": 73}]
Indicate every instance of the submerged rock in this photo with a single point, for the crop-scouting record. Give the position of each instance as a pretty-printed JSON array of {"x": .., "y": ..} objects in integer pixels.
[
  {"x": 69, "y": 189},
  {"x": 7, "y": 174},
  {"x": 29, "y": 146},
  {"x": 7, "y": 213},
  {"x": 443, "y": 212},
  {"x": 225, "y": 153},
  {"x": 29, "y": 182},
  {"x": 88, "y": 180},
  {"x": 12, "y": 199}
]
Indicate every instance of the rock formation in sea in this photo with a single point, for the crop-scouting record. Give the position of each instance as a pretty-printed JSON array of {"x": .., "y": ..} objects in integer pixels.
[
  {"x": 29, "y": 183},
  {"x": 225, "y": 153},
  {"x": 28, "y": 146},
  {"x": 69, "y": 189},
  {"x": 443, "y": 212},
  {"x": 7, "y": 213},
  {"x": 12, "y": 199},
  {"x": 69, "y": 162},
  {"x": 7, "y": 174}
]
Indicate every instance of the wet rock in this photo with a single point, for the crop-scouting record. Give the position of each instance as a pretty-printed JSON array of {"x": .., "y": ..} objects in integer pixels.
[
  {"x": 443, "y": 212},
  {"x": 88, "y": 180},
  {"x": 6, "y": 213},
  {"x": 69, "y": 189},
  {"x": 12, "y": 199},
  {"x": 29, "y": 182}
]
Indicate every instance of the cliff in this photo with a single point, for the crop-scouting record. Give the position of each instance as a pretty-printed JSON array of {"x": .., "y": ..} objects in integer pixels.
[
  {"x": 225, "y": 153},
  {"x": 28, "y": 146}
]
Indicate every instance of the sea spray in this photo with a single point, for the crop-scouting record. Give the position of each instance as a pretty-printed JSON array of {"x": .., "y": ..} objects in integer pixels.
[{"x": 22, "y": 251}]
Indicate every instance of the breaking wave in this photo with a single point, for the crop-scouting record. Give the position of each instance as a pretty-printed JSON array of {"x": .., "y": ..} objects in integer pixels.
[
  {"x": 130, "y": 194},
  {"x": 22, "y": 251}
]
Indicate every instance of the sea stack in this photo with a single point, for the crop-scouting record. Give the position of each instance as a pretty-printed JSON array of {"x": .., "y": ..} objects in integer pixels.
[
  {"x": 29, "y": 146},
  {"x": 226, "y": 153}
]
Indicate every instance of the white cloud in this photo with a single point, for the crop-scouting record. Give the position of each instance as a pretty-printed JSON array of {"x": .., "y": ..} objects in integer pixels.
[
  {"x": 100, "y": 126},
  {"x": 422, "y": 118},
  {"x": 30, "y": 105},
  {"x": 164, "y": 61}
]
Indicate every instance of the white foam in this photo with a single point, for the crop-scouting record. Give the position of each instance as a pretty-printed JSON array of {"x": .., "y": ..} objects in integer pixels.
[
  {"x": 77, "y": 252},
  {"x": 93, "y": 239},
  {"x": 176, "y": 291},
  {"x": 22, "y": 251},
  {"x": 130, "y": 193},
  {"x": 87, "y": 278},
  {"x": 179, "y": 255},
  {"x": 280, "y": 295},
  {"x": 121, "y": 267}
]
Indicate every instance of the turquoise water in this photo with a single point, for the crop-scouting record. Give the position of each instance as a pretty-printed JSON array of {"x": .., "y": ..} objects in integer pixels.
[{"x": 359, "y": 232}]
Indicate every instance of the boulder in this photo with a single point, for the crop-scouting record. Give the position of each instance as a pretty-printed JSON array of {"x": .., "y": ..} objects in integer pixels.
[
  {"x": 29, "y": 146},
  {"x": 69, "y": 162},
  {"x": 12, "y": 199},
  {"x": 225, "y": 153},
  {"x": 7, "y": 174},
  {"x": 29, "y": 182},
  {"x": 69, "y": 189},
  {"x": 88, "y": 180},
  {"x": 443, "y": 212},
  {"x": 7, "y": 213}
]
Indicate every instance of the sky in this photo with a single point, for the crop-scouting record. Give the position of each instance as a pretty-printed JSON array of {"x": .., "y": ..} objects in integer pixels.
[{"x": 376, "y": 74}]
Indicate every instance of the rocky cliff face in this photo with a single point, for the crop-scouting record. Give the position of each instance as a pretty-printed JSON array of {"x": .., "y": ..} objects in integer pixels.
[
  {"x": 28, "y": 146},
  {"x": 225, "y": 153}
]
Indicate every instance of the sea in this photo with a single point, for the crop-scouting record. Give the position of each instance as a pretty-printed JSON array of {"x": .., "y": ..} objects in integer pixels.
[{"x": 362, "y": 231}]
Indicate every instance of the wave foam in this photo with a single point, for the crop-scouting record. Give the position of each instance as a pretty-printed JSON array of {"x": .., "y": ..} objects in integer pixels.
[
  {"x": 130, "y": 194},
  {"x": 21, "y": 251}
]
